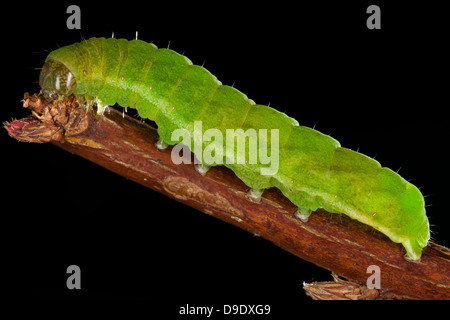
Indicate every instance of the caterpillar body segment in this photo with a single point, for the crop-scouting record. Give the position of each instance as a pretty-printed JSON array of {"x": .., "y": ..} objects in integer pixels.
[{"x": 314, "y": 170}]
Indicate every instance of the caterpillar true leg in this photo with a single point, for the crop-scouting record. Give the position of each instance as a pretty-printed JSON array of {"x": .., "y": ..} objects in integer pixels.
[{"x": 101, "y": 107}]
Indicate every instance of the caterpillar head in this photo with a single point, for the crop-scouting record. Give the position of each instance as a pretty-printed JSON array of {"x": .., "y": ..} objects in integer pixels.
[{"x": 56, "y": 80}]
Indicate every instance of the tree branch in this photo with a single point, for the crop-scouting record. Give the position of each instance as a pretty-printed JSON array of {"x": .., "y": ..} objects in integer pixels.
[{"x": 344, "y": 246}]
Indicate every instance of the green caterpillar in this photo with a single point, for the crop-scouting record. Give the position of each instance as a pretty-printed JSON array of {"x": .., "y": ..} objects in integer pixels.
[{"x": 314, "y": 171}]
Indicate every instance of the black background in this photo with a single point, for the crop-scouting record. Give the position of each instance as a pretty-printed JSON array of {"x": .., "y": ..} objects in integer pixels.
[{"x": 379, "y": 91}]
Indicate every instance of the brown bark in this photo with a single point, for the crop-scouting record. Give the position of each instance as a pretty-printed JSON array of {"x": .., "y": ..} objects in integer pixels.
[{"x": 344, "y": 246}]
